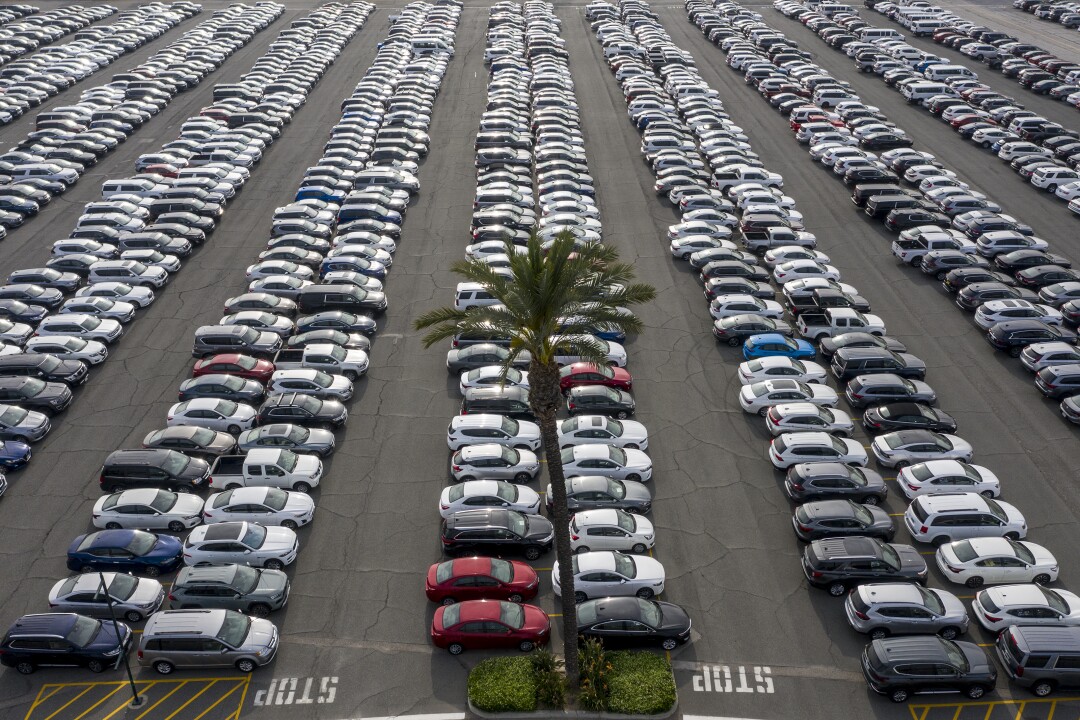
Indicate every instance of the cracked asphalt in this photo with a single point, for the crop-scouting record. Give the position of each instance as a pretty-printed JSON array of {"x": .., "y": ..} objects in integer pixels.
[{"x": 357, "y": 612}]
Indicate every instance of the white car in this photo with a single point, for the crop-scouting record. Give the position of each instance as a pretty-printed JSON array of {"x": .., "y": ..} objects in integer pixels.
[
  {"x": 581, "y": 209},
  {"x": 807, "y": 417},
  {"x": 134, "y": 294},
  {"x": 994, "y": 561},
  {"x": 482, "y": 428},
  {"x": 69, "y": 347},
  {"x": 213, "y": 414},
  {"x": 780, "y": 367},
  {"x": 938, "y": 476},
  {"x": 262, "y": 321},
  {"x": 487, "y": 248},
  {"x": 98, "y": 307},
  {"x": 698, "y": 228},
  {"x": 607, "y": 574},
  {"x": 917, "y": 173},
  {"x": 87, "y": 327},
  {"x": 998, "y": 608},
  {"x": 564, "y": 354},
  {"x": 476, "y": 494},
  {"x": 814, "y": 447},
  {"x": 802, "y": 269},
  {"x": 906, "y": 447},
  {"x": 1068, "y": 191},
  {"x": 269, "y": 268},
  {"x": 787, "y": 253},
  {"x": 759, "y": 397},
  {"x": 262, "y": 505},
  {"x": 992, "y": 312},
  {"x": 280, "y": 285},
  {"x": 602, "y": 430},
  {"x": 492, "y": 376},
  {"x": 938, "y": 518},
  {"x": 1037, "y": 356},
  {"x": 611, "y": 530},
  {"x": 148, "y": 509},
  {"x": 723, "y": 306},
  {"x": 493, "y": 461},
  {"x": 241, "y": 543},
  {"x": 607, "y": 460},
  {"x": 936, "y": 182},
  {"x": 155, "y": 258},
  {"x": 683, "y": 248},
  {"x": 310, "y": 381}
]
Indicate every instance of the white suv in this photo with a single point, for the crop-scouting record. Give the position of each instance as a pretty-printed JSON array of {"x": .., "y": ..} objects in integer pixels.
[{"x": 944, "y": 517}]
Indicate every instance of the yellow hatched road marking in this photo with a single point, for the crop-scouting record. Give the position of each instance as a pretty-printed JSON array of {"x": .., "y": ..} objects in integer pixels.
[
  {"x": 192, "y": 699},
  {"x": 164, "y": 697},
  {"x": 67, "y": 704},
  {"x": 100, "y": 702},
  {"x": 923, "y": 712},
  {"x": 124, "y": 705},
  {"x": 41, "y": 699},
  {"x": 243, "y": 698},
  {"x": 218, "y": 701}
]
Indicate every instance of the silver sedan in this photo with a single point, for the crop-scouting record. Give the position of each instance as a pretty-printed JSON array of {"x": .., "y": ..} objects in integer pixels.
[{"x": 133, "y": 598}]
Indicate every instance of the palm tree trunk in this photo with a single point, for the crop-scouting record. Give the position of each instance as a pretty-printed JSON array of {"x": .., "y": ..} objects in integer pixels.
[{"x": 546, "y": 398}]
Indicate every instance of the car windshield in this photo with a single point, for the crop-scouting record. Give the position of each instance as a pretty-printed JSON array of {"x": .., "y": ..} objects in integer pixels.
[
  {"x": 518, "y": 524},
  {"x": 507, "y": 491},
  {"x": 254, "y": 536},
  {"x": 234, "y": 629},
  {"x": 246, "y": 579},
  {"x": 617, "y": 455},
  {"x": 626, "y": 521},
  {"x": 226, "y": 408},
  {"x": 122, "y": 586},
  {"x": 890, "y": 556},
  {"x": 287, "y": 460},
  {"x": 245, "y": 362},
  {"x": 510, "y": 426},
  {"x": 299, "y": 435},
  {"x": 650, "y": 613},
  {"x": 956, "y": 656},
  {"x": 83, "y": 632},
  {"x": 275, "y": 499},
  {"x": 502, "y": 570},
  {"x": 997, "y": 510},
  {"x": 511, "y": 456},
  {"x": 163, "y": 501},
  {"x": 512, "y": 614},
  {"x": 32, "y": 387},
  {"x": 141, "y": 543},
  {"x": 175, "y": 463},
  {"x": 12, "y": 416},
  {"x": 233, "y": 383},
  {"x": 625, "y": 566},
  {"x": 201, "y": 436},
  {"x": 863, "y": 515},
  {"x": 50, "y": 363}
]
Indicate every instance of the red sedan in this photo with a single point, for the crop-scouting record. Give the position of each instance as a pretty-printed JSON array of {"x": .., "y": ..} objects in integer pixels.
[
  {"x": 584, "y": 373},
  {"x": 483, "y": 624},
  {"x": 243, "y": 366},
  {"x": 481, "y": 578}
]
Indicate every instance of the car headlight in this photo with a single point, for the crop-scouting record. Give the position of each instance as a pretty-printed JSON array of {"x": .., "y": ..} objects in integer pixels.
[{"x": 112, "y": 653}]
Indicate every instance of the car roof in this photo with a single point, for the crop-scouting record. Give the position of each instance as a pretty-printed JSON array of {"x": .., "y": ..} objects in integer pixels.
[
  {"x": 850, "y": 547},
  {"x": 485, "y": 450},
  {"x": 1011, "y": 595},
  {"x": 952, "y": 502},
  {"x": 193, "y": 622},
  {"x": 207, "y": 573},
  {"x": 606, "y": 516},
  {"x": 480, "y": 420},
  {"x": 470, "y": 566},
  {"x": 891, "y": 593},
  {"x": 478, "y": 518},
  {"x": 43, "y": 624},
  {"x": 912, "y": 649},
  {"x": 219, "y": 531}
]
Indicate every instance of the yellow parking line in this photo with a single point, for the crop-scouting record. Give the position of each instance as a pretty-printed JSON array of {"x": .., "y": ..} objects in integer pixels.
[
  {"x": 218, "y": 702},
  {"x": 988, "y": 711},
  {"x": 1020, "y": 710},
  {"x": 551, "y": 615},
  {"x": 928, "y": 552},
  {"x": 69, "y": 702},
  {"x": 956, "y": 715},
  {"x": 125, "y": 704},
  {"x": 40, "y": 699},
  {"x": 543, "y": 569},
  {"x": 243, "y": 697},
  {"x": 164, "y": 697},
  {"x": 191, "y": 699},
  {"x": 100, "y": 702},
  {"x": 1053, "y": 707},
  {"x": 896, "y": 514},
  {"x": 986, "y": 644}
]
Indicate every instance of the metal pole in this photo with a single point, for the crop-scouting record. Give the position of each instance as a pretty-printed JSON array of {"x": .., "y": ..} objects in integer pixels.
[{"x": 136, "y": 700}]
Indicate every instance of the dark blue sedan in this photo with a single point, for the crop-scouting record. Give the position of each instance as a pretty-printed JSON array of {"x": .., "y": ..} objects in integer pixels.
[
  {"x": 125, "y": 551},
  {"x": 13, "y": 454}
]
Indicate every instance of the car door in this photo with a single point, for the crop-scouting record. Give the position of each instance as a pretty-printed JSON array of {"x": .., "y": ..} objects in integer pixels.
[{"x": 212, "y": 652}]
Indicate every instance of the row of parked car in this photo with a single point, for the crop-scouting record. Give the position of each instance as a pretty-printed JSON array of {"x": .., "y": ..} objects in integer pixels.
[
  {"x": 25, "y": 29},
  {"x": 243, "y": 535},
  {"x": 1059, "y": 11},
  {"x": 974, "y": 533}
]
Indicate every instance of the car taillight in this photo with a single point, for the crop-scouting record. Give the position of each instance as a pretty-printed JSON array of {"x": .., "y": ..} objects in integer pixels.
[
  {"x": 804, "y": 528},
  {"x": 861, "y": 615},
  {"x": 1019, "y": 671},
  {"x": 991, "y": 618},
  {"x": 172, "y": 597},
  {"x": 915, "y": 488},
  {"x": 139, "y": 653},
  {"x": 796, "y": 486},
  {"x": 456, "y": 468},
  {"x": 444, "y": 507},
  {"x": 574, "y": 537},
  {"x": 210, "y": 480},
  {"x": 817, "y": 575},
  {"x": 101, "y": 479},
  {"x": 955, "y": 570},
  {"x": 569, "y": 406}
]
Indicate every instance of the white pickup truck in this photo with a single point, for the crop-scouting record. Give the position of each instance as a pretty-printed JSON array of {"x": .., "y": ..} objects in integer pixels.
[
  {"x": 911, "y": 245},
  {"x": 837, "y": 321},
  {"x": 266, "y": 468},
  {"x": 327, "y": 357}
]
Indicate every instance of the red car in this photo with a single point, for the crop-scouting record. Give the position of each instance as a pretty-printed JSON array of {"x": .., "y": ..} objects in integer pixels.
[
  {"x": 482, "y": 624},
  {"x": 584, "y": 373},
  {"x": 243, "y": 366},
  {"x": 481, "y": 578}
]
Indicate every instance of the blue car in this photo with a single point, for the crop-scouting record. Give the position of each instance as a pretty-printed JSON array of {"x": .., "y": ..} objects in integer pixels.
[
  {"x": 776, "y": 345},
  {"x": 64, "y": 639},
  {"x": 125, "y": 551},
  {"x": 13, "y": 454},
  {"x": 353, "y": 263},
  {"x": 321, "y": 192}
]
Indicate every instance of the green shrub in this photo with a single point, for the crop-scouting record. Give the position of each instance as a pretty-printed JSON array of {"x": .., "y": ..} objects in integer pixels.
[
  {"x": 639, "y": 683},
  {"x": 550, "y": 679},
  {"x": 594, "y": 668},
  {"x": 503, "y": 684}
]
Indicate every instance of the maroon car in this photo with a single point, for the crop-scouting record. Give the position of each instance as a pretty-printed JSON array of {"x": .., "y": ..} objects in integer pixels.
[
  {"x": 484, "y": 624},
  {"x": 481, "y": 578},
  {"x": 585, "y": 373},
  {"x": 243, "y": 366}
]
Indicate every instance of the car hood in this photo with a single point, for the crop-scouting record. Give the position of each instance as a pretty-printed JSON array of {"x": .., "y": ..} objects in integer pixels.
[
  {"x": 271, "y": 582},
  {"x": 106, "y": 638},
  {"x": 911, "y": 562},
  {"x": 539, "y": 528},
  {"x": 637, "y": 459},
  {"x": 187, "y": 505},
  {"x": 259, "y": 634},
  {"x": 978, "y": 660},
  {"x": 675, "y": 618},
  {"x": 278, "y": 539},
  {"x": 307, "y": 465}
]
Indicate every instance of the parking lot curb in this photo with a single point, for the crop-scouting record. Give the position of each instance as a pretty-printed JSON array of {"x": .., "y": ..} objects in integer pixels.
[{"x": 583, "y": 714}]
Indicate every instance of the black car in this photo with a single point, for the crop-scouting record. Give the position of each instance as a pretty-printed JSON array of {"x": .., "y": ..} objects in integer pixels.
[
  {"x": 632, "y": 621},
  {"x": 595, "y": 492},
  {"x": 833, "y": 480},
  {"x": 18, "y": 311},
  {"x": 1012, "y": 336},
  {"x": 735, "y": 329},
  {"x": 1042, "y": 275},
  {"x": 1012, "y": 262},
  {"x": 47, "y": 277},
  {"x": 31, "y": 294},
  {"x": 599, "y": 400},
  {"x": 495, "y": 531},
  {"x": 226, "y": 387},
  {"x": 974, "y": 295},
  {"x": 64, "y": 640},
  {"x": 850, "y": 362},
  {"x": 906, "y": 416},
  {"x": 855, "y": 176},
  {"x": 903, "y": 666},
  {"x": 835, "y": 518},
  {"x": 337, "y": 320},
  {"x": 959, "y": 278},
  {"x": 152, "y": 468},
  {"x": 904, "y": 218},
  {"x": 191, "y": 440},
  {"x": 303, "y": 410},
  {"x": 839, "y": 564},
  {"x": 34, "y": 394},
  {"x": 44, "y": 367},
  {"x": 715, "y": 287},
  {"x": 830, "y": 345},
  {"x": 733, "y": 268}
]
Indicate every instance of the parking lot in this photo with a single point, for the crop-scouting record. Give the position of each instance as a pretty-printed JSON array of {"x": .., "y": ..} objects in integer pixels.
[{"x": 355, "y": 635}]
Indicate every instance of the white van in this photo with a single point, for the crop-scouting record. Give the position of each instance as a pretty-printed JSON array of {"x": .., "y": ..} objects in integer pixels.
[
  {"x": 830, "y": 9},
  {"x": 925, "y": 28},
  {"x": 872, "y": 34},
  {"x": 948, "y": 72},
  {"x": 431, "y": 46},
  {"x": 918, "y": 92},
  {"x": 469, "y": 294}
]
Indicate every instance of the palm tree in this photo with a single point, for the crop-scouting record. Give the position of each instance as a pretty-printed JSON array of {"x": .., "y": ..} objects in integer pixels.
[{"x": 557, "y": 294}]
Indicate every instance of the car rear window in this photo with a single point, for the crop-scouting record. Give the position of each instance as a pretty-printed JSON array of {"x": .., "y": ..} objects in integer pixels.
[
  {"x": 964, "y": 552},
  {"x": 919, "y": 511},
  {"x": 779, "y": 445}
]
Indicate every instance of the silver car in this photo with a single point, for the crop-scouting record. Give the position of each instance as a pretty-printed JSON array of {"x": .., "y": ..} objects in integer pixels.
[
  {"x": 133, "y": 598},
  {"x": 243, "y": 543},
  {"x": 22, "y": 425},
  {"x": 491, "y": 461},
  {"x": 310, "y": 381},
  {"x": 807, "y": 417},
  {"x": 222, "y": 638},
  {"x": 883, "y": 609}
]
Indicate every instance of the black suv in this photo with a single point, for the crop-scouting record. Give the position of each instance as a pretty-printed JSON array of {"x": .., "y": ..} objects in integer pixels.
[
  {"x": 599, "y": 400},
  {"x": 1012, "y": 336},
  {"x": 907, "y": 416},
  {"x": 851, "y": 362},
  {"x": 496, "y": 531},
  {"x": 157, "y": 468},
  {"x": 33, "y": 394},
  {"x": 901, "y": 667},
  {"x": 63, "y": 639},
  {"x": 839, "y": 564},
  {"x": 44, "y": 367},
  {"x": 301, "y": 409}
]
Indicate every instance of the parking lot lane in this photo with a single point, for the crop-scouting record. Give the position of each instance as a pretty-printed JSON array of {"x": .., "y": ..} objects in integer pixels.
[
  {"x": 195, "y": 698},
  {"x": 1019, "y": 708}
]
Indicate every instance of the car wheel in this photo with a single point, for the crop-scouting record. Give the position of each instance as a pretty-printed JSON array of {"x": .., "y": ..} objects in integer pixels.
[
  {"x": 669, "y": 644},
  {"x": 622, "y": 415},
  {"x": 949, "y": 633},
  {"x": 522, "y": 477},
  {"x": 634, "y": 477},
  {"x": 183, "y": 489},
  {"x": 117, "y": 488},
  {"x": 582, "y": 549},
  {"x": 532, "y": 553},
  {"x": 449, "y": 601},
  {"x": 632, "y": 446},
  {"x": 522, "y": 447},
  {"x": 986, "y": 145},
  {"x": 112, "y": 526},
  {"x": 1012, "y": 536},
  {"x": 1041, "y": 579},
  {"x": 152, "y": 571},
  {"x": 899, "y": 696},
  {"x": 939, "y": 541},
  {"x": 645, "y": 593},
  {"x": 351, "y": 375},
  {"x": 987, "y": 493},
  {"x": 526, "y": 646},
  {"x": 25, "y": 668},
  {"x": 1049, "y": 189},
  {"x": 1042, "y": 689},
  {"x": 514, "y": 598},
  {"x": 233, "y": 430},
  {"x": 1015, "y": 351},
  {"x": 133, "y": 616},
  {"x": 302, "y": 487},
  {"x": 233, "y": 486},
  {"x": 246, "y": 665},
  {"x": 871, "y": 500},
  {"x": 734, "y": 342},
  {"x": 639, "y": 548},
  {"x": 879, "y": 634},
  {"x": 940, "y": 276},
  {"x": 915, "y": 262},
  {"x": 274, "y": 564},
  {"x": 176, "y": 526},
  {"x": 975, "y": 691},
  {"x": 580, "y": 597},
  {"x": 763, "y": 411},
  {"x": 455, "y": 648},
  {"x": 22, "y": 439},
  {"x": 95, "y": 666},
  {"x": 290, "y": 524},
  {"x": 164, "y": 667},
  {"x": 466, "y": 478},
  {"x": 974, "y": 582},
  {"x": 901, "y": 465},
  {"x": 837, "y": 589}
]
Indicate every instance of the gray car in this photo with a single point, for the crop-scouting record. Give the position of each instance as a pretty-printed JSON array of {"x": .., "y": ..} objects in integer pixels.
[
  {"x": 596, "y": 492},
  {"x": 22, "y": 425},
  {"x": 133, "y": 598},
  {"x": 479, "y": 355},
  {"x": 819, "y": 481},
  {"x": 287, "y": 436},
  {"x": 191, "y": 440},
  {"x": 249, "y": 590},
  {"x": 206, "y": 638},
  {"x": 869, "y": 390},
  {"x": 836, "y": 518},
  {"x": 883, "y": 609}
]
